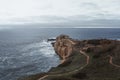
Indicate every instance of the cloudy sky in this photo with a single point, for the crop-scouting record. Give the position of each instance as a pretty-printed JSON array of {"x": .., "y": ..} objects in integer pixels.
[{"x": 97, "y": 12}]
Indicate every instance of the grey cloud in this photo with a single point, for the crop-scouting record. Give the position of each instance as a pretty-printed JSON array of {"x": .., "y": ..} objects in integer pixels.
[
  {"x": 72, "y": 21},
  {"x": 90, "y": 5}
]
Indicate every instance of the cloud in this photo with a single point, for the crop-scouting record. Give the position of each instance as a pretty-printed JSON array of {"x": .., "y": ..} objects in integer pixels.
[{"x": 57, "y": 11}]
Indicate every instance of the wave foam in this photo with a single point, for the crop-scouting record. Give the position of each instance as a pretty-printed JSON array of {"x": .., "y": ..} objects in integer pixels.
[{"x": 45, "y": 48}]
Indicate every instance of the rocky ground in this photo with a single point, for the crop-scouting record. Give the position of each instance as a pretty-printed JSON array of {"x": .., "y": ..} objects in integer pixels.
[{"x": 96, "y": 59}]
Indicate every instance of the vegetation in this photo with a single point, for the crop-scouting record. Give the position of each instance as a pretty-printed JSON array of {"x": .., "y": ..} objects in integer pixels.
[{"x": 99, "y": 68}]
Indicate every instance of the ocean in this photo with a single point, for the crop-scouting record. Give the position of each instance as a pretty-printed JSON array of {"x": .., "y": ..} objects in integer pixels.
[{"x": 25, "y": 51}]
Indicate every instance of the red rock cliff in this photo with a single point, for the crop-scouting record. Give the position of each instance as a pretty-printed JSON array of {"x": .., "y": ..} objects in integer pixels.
[{"x": 64, "y": 46}]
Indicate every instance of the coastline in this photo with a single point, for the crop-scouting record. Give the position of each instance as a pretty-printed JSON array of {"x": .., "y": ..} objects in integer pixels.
[{"x": 86, "y": 59}]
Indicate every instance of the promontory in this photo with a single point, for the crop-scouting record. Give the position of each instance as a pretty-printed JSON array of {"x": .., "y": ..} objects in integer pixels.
[{"x": 95, "y": 59}]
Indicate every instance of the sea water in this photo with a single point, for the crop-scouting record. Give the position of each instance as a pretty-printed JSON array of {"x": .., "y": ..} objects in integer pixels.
[{"x": 25, "y": 51}]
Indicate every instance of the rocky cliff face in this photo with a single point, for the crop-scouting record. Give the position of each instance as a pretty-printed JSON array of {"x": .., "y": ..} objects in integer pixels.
[
  {"x": 64, "y": 46},
  {"x": 96, "y": 59}
]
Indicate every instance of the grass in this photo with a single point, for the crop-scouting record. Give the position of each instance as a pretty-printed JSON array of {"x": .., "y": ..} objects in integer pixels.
[
  {"x": 97, "y": 69},
  {"x": 32, "y": 77}
]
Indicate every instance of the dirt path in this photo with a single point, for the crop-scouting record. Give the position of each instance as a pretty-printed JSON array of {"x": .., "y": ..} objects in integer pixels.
[
  {"x": 43, "y": 77},
  {"x": 81, "y": 52},
  {"x": 62, "y": 73},
  {"x": 88, "y": 58},
  {"x": 111, "y": 61},
  {"x": 87, "y": 62}
]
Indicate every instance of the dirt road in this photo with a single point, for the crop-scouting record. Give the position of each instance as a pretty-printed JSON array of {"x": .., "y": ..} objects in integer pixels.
[{"x": 111, "y": 61}]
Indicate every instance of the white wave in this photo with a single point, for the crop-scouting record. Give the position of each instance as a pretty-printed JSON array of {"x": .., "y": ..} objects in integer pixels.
[
  {"x": 31, "y": 46},
  {"x": 45, "y": 48}
]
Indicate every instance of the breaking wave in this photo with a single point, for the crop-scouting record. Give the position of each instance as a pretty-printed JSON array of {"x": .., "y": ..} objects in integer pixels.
[
  {"x": 32, "y": 58},
  {"x": 43, "y": 48}
]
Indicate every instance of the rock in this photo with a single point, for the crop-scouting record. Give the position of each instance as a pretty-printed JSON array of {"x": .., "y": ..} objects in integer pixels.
[
  {"x": 51, "y": 39},
  {"x": 95, "y": 59},
  {"x": 64, "y": 46}
]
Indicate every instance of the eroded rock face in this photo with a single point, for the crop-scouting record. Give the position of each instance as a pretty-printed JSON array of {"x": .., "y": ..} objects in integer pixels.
[
  {"x": 95, "y": 59},
  {"x": 64, "y": 46}
]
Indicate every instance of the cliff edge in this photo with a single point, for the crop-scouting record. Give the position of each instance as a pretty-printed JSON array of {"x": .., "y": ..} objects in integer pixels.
[{"x": 96, "y": 59}]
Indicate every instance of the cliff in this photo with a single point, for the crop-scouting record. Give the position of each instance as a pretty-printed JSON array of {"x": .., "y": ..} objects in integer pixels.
[{"x": 96, "y": 59}]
